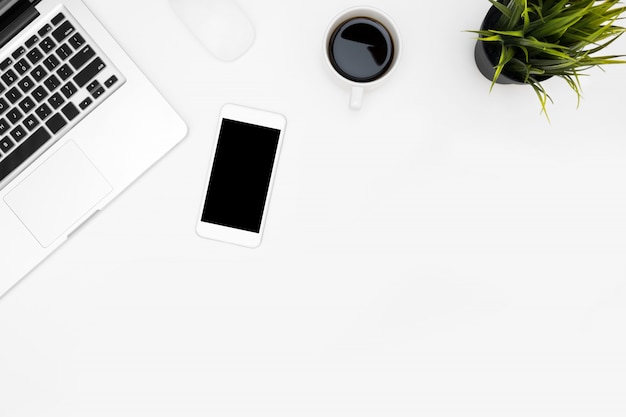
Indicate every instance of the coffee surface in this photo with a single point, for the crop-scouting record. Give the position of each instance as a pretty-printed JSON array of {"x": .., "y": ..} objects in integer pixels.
[{"x": 361, "y": 49}]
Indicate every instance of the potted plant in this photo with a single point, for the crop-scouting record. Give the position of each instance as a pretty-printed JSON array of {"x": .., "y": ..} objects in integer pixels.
[{"x": 529, "y": 41}]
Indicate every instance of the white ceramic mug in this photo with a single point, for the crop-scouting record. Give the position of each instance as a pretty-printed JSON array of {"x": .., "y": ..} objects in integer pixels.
[{"x": 358, "y": 88}]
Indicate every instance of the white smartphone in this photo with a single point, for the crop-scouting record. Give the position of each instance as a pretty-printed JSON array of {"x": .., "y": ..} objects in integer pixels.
[{"x": 237, "y": 191}]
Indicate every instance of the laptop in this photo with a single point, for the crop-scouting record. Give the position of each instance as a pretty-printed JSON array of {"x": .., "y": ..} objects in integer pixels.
[{"x": 79, "y": 122}]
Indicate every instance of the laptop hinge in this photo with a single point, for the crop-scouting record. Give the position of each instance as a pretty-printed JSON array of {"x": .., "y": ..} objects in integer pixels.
[{"x": 15, "y": 17}]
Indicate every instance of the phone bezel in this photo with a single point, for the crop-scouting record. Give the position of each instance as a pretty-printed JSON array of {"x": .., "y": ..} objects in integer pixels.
[{"x": 256, "y": 117}]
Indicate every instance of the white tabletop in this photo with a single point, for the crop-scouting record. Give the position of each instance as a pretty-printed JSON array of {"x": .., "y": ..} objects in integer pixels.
[{"x": 442, "y": 252}]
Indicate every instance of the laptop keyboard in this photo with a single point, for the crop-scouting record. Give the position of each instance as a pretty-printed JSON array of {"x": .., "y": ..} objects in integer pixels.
[{"x": 47, "y": 85}]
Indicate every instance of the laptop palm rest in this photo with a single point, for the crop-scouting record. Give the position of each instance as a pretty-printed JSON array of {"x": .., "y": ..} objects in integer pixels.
[{"x": 58, "y": 194}]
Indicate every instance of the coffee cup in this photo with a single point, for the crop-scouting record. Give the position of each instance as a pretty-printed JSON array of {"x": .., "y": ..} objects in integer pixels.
[{"x": 362, "y": 48}]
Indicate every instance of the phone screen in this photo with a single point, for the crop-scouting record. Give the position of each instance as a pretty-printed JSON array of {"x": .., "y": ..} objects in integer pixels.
[{"x": 240, "y": 176}]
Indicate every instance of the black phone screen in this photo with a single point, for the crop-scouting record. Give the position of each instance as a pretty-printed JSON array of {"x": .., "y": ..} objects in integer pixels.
[{"x": 241, "y": 175}]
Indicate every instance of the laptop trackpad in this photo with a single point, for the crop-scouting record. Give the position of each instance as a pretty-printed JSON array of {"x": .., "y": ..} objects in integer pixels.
[{"x": 56, "y": 195}]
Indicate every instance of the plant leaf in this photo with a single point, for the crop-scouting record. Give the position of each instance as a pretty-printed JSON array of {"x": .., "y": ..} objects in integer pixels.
[{"x": 561, "y": 38}]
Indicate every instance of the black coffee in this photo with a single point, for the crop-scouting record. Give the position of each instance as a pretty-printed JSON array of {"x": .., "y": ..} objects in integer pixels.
[{"x": 361, "y": 49}]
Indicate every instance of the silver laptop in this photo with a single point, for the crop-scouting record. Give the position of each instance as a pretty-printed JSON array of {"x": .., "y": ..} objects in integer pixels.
[{"x": 79, "y": 122}]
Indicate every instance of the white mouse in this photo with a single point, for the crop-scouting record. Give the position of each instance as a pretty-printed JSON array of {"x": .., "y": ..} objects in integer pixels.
[{"x": 220, "y": 25}]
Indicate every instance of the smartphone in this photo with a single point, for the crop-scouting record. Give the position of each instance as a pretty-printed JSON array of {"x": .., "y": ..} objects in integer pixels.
[{"x": 243, "y": 168}]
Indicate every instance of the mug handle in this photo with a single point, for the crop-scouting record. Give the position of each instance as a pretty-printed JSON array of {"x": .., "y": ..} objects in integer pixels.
[{"x": 356, "y": 98}]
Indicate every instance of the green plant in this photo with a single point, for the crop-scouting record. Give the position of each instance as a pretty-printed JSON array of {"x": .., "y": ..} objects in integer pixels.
[{"x": 542, "y": 38}]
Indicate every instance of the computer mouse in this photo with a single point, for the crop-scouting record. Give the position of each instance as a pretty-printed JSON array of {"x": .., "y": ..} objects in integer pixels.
[{"x": 220, "y": 25}]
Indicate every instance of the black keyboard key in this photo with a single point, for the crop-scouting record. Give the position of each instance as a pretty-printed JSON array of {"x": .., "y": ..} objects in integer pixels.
[
  {"x": 30, "y": 145},
  {"x": 95, "y": 89},
  {"x": 38, "y": 73},
  {"x": 43, "y": 111},
  {"x": 77, "y": 40},
  {"x": 14, "y": 116},
  {"x": 69, "y": 90},
  {"x": 56, "y": 123},
  {"x": 27, "y": 104},
  {"x": 51, "y": 62},
  {"x": 58, "y": 19},
  {"x": 40, "y": 94},
  {"x": 32, "y": 41},
  {"x": 4, "y": 126},
  {"x": 64, "y": 51},
  {"x": 70, "y": 111},
  {"x": 34, "y": 56},
  {"x": 56, "y": 101},
  {"x": 9, "y": 77},
  {"x": 44, "y": 30},
  {"x": 5, "y": 64},
  {"x": 26, "y": 84},
  {"x": 65, "y": 72},
  {"x": 111, "y": 81},
  {"x": 21, "y": 66},
  {"x": 13, "y": 95},
  {"x": 93, "y": 85},
  {"x": 89, "y": 72},
  {"x": 18, "y": 134},
  {"x": 47, "y": 44},
  {"x": 85, "y": 103},
  {"x": 63, "y": 31},
  {"x": 2, "y": 88},
  {"x": 31, "y": 122},
  {"x": 4, "y": 106},
  {"x": 19, "y": 52},
  {"x": 52, "y": 83},
  {"x": 6, "y": 144},
  {"x": 82, "y": 57},
  {"x": 97, "y": 92}
]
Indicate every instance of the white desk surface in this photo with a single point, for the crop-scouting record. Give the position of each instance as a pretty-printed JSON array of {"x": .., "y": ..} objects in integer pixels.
[{"x": 442, "y": 252}]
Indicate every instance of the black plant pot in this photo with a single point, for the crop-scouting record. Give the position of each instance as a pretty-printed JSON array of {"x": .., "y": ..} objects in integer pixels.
[{"x": 487, "y": 54}]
